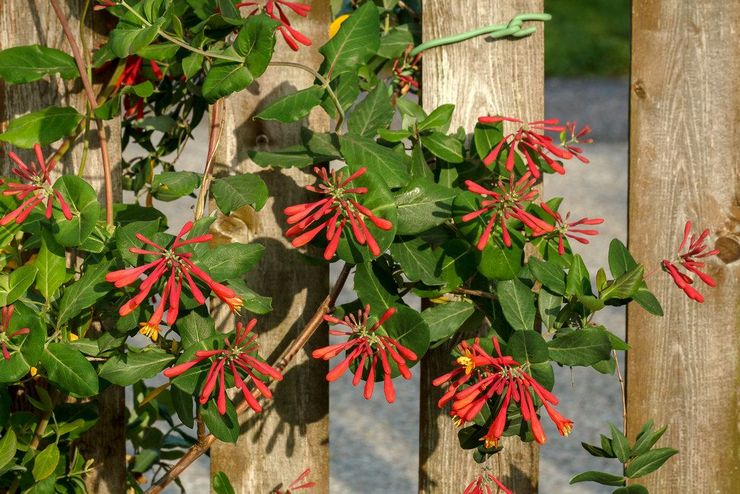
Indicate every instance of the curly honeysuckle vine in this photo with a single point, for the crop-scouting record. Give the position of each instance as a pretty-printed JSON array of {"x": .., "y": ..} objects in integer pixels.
[{"x": 407, "y": 205}]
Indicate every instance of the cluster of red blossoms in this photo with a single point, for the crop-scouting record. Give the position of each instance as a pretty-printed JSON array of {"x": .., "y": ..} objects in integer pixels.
[
  {"x": 561, "y": 228},
  {"x": 301, "y": 482},
  {"x": 180, "y": 267},
  {"x": 366, "y": 345},
  {"x": 530, "y": 142},
  {"x": 482, "y": 485},
  {"x": 239, "y": 356},
  {"x": 486, "y": 377},
  {"x": 404, "y": 71},
  {"x": 131, "y": 76},
  {"x": 37, "y": 189},
  {"x": 5, "y": 334},
  {"x": 276, "y": 10},
  {"x": 688, "y": 260},
  {"x": 333, "y": 211}
]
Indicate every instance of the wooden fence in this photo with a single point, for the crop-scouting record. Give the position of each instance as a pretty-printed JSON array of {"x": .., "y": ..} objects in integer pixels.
[{"x": 683, "y": 370}]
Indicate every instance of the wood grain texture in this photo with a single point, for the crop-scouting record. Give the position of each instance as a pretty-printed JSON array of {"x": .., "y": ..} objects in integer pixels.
[
  {"x": 481, "y": 78},
  {"x": 292, "y": 433},
  {"x": 24, "y": 23},
  {"x": 683, "y": 369}
]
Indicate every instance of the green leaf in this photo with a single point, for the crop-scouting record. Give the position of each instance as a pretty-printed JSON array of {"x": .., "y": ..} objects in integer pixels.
[
  {"x": 408, "y": 328},
  {"x": 548, "y": 305},
  {"x": 457, "y": 262},
  {"x": 577, "y": 280},
  {"x": 357, "y": 40},
  {"x": 582, "y": 347},
  {"x": 84, "y": 206},
  {"x": 599, "y": 477},
  {"x": 647, "y": 301},
  {"x": 416, "y": 259},
  {"x": 423, "y": 205},
  {"x": 631, "y": 489},
  {"x": 231, "y": 260},
  {"x": 486, "y": 137},
  {"x": 620, "y": 259},
  {"x": 256, "y": 42},
  {"x": 133, "y": 367},
  {"x": 549, "y": 274},
  {"x": 231, "y": 193},
  {"x": 224, "y": 427},
  {"x": 22, "y": 64},
  {"x": 625, "y": 285},
  {"x": 647, "y": 439},
  {"x": 294, "y": 156},
  {"x": 596, "y": 451},
  {"x": 445, "y": 319},
  {"x": 31, "y": 344},
  {"x": 528, "y": 346},
  {"x": 8, "y": 444},
  {"x": 130, "y": 36},
  {"x": 443, "y": 146},
  {"x": 168, "y": 186},
  {"x": 439, "y": 119},
  {"x": 225, "y": 78},
  {"x": 419, "y": 166},
  {"x": 648, "y": 462},
  {"x": 293, "y": 107},
  {"x": 376, "y": 287},
  {"x": 15, "y": 285},
  {"x": 45, "y": 462},
  {"x": 84, "y": 292},
  {"x": 70, "y": 370},
  {"x": 253, "y": 301},
  {"x": 41, "y": 127},
  {"x": 361, "y": 152},
  {"x": 372, "y": 113},
  {"x": 194, "y": 327},
  {"x": 393, "y": 43},
  {"x": 517, "y": 302},
  {"x": 221, "y": 484},
  {"x": 499, "y": 262},
  {"x": 620, "y": 445},
  {"x": 51, "y": 264}
]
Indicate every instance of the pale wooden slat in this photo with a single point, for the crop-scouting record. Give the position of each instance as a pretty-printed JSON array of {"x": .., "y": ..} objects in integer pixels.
[
  {"x": 504, "y": 78},
  {"x": 683, "y": 369},
  {"x": 292, "y": 433}
]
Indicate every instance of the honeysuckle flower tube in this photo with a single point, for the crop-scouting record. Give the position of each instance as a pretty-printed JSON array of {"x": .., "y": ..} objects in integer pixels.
[
  {"x": 181, "y": 271},
  {"x": 366, "y": 345},
  {"x": 5, "y": 334},
  {"x": 240, "y": 359},
  {"x": 276, "y": 10},
  {"x": 37, "y": 189},
  {"x": 338, "y": 211},
  {"x": 482, "y": 485},
  {"x": 484, "y": 377},
  {"x": 562, "y": 227},
  {"x": 695, "y": 249}
]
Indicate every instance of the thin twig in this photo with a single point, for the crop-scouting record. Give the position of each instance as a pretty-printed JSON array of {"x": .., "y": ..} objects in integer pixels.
[
  {"x": 474, "y": 293},
  {"x": 92, "y": 101},
  {"x": 204, "y": 444},
  {"x": 214, "y": 137},
  {"x": 624, "y": 395}
]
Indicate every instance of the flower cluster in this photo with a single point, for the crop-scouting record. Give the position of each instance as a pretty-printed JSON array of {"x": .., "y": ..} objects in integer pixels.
[
  {"x": 688, "y": 260},
  {"x": 530, "y": 141},
  {"x": 240, "y": 357},
  {"x": 504, "y": 201},
  {"x": 5, "y": 334},
  {"x": 276, "y": 10},
  {"x": 301, "y": 482},
  {"x": 561, "y": 228},
  {"x": 572, "y": 136},
  {"x": 482, "y": 485},
  {"x": 366, "y": 345},
  {"x": 332, "y": 213},
  {"x": 486, "y": 377},
  {"x": 404, "y": 72},
  {"x": 131, "y": 76},
  {"x": 181, "y": 268},
  {"x": 37, "y": 189}
]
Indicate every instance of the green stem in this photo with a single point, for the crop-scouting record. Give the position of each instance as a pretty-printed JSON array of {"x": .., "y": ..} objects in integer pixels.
[{"x": 513, "y": 28}]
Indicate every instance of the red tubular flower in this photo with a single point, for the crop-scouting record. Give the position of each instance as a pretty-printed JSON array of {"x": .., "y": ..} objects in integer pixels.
[
  {"x": 562, "y": 226},
  {"x": 688, "y": 260},
  {"x": 37, "y": 189},
  {"x": 482, "y": 485},
  {"x": 131, "y": 76},
  {"x": 301, "y": 482},
  {"x": 181, "y": 270},
  {"x": 5, "y": 334},
  {"x": 276, "y": 10},
  {"x": 504, "y": 201},
  {"x": 239, "y": 358},
  {"x": 405, "y": 69},
  {"x": 576, "y": 137},
  {"x": 530, "y": 141},
  {"x": 485, "y": 377},
  {"x": 333, "y": 213},
  {"x": 365, "y": 345}
]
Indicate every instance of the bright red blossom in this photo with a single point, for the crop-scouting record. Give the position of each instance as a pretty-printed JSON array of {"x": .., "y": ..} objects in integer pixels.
[
  {"x": 485, "y": 377},
  {"x": 37, "y": 189},
  {"x": 366, "y": 345},
  {"x": 530, "y": 142},
  {"x": 504, "y": 201},
  {"x": 561, "y": 228},
  {"x": 181, "y": 270},
  {"x": 276, "y": 10},
  {"x": 482, "y": 485},
  {"x": 696, "y": 249},
  {"x": 301, "y": 482},
  {"x": 333, "y": 212},
  {"x": 240, "y": 358},
  {"x": 404, "y": 71},
  {"x": 5, "y": 334},
  {"x": 576, "y": 137},
  {"x": 131, "y": 76}
]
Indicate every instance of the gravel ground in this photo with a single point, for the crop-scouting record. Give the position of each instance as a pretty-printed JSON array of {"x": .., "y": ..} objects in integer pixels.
[{"x": 375, "y": 445}]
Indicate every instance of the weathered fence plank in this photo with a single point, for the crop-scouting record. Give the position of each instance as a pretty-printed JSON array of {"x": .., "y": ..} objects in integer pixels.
[
  {"x": 480, "y": 77},
  {"x": 24, "y": 23},
  {"x": 292, "y": 433},
  {"x": 683, "y": 369}
]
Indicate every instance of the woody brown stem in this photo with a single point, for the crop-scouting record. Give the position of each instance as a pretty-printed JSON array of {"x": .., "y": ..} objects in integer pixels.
[
  {"x": 214, "y": 136},
  {"x": 205, "y": 443},
  {"x": 92, "y": 101}
]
